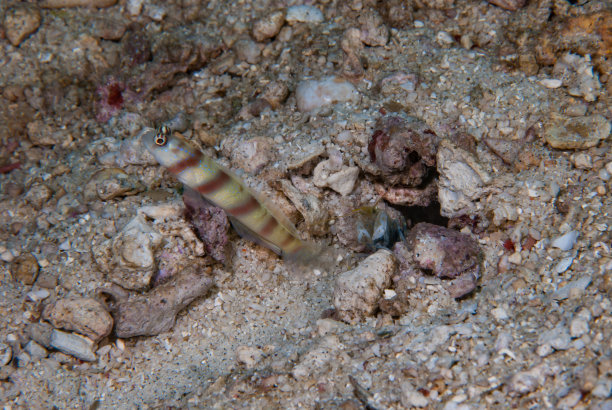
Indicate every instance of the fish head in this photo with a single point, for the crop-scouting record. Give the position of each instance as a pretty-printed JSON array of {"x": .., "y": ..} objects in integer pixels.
[{"x": 167, "y": 147}]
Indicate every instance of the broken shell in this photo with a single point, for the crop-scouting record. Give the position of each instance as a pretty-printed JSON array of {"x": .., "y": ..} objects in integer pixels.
[{"x": 111, "y": 183}]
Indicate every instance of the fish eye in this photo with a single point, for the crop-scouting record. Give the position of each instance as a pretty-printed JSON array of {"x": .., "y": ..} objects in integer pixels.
[{"x": 161, "y": 136}]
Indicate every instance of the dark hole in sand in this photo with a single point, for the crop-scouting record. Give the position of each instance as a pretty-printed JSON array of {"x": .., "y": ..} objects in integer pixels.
[{"x": 416, "y": 214}]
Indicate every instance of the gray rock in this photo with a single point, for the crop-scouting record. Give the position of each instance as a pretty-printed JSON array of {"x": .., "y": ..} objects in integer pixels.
[
  {"x": 558, "y": 338},
  {"x": 564, "y": 292},
  {"x": 565, "y": 242}
]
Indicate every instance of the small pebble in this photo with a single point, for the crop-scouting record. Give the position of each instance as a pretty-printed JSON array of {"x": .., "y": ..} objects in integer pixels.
[
  {"x": 582, "y": 161},
  {"x": 551, "y": 83},
  {"x": 6, "y": 354},
  {"x": 247, "y": 50},
  {"x": 248, "y": 356},
  {"x": 314, "y": 94},
  {"x": 500, "y": 313},
  {"x": 35, "y": 350},
  {"x": 38, "y": 295},
  {"x": 304, "y": 14},
  {"x": 444, "y": 39},
  {"x": 269, "y": 26},
  {"x": 134, "y": 7},
  {"x": 83, "y": 315},
  {"x": 24, "y": 268},
  {"x": 563, "y": 264}
]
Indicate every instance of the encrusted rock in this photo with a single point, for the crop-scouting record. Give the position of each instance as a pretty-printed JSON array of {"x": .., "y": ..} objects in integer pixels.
[
  {"x": 210, "y": 223},
  {"x": 253, "y": 154},
  {"x": 462, "y": 180},
  {"x": 82, "y": 315},
  {"x": 446, "y": 254},
  {"x": 155, "y": 311},
  {"x": 38, "y": 195},
  {"x": 24, "y": 268},
  {"x": 576, "y": 132},
  {"x": 128, "y": 257},
  {"x": 314, "y": 94},
  {"x": 43, "y": 134},
  {"x": 374, "y": 32},
  {"x": 404, "y": 150},
  {"x": 358, "y": 291},
  {"x": 577, "y": 75},
  {"x": 269, "y": 26},
  {"x": 248, "y": 356},
  {"x": 20, "y": 21}
]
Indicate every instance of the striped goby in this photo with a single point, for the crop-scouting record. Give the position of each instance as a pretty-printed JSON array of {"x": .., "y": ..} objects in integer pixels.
[{"x": 198, "y": 171}]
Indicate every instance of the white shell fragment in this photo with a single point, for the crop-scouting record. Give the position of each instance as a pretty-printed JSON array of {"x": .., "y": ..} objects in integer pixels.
[
  {"x": 565, "y": 242},
  {"x": 313, "y": 94}
]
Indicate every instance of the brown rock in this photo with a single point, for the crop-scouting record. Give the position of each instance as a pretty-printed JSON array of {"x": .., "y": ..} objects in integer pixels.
[
  {"x": 155, "y": 312},
  {"x": 576, "y": 132},
  {"x": 83, "y": 315},
  {"x": 24, "y": 268},
  {"x": 21, "y": 21}
]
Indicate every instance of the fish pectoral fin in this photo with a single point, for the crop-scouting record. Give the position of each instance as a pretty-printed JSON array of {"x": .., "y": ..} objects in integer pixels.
[{"x": 249, "y": 234}]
